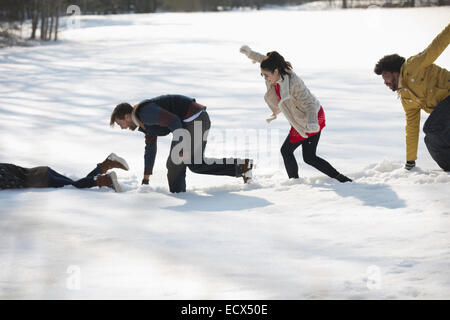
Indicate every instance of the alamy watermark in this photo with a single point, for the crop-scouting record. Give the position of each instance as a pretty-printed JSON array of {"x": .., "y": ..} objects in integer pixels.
[
  {"x": 373, "y": 277},
  {"x": 74, "y": 13},
  {"x": 73, "y": 281},
  {"x": 224, "y": 146}
]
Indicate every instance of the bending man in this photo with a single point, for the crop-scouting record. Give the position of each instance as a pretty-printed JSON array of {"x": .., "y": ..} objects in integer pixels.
[
  {"x": 422, "y": 85},
  {"x": 187, "y": 119}
]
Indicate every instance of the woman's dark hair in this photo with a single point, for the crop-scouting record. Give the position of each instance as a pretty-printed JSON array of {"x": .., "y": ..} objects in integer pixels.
[
  {"x": 273, "y": 61},
  {"x": 120, "y": 111},
  {"x": 390, "y": 63}
]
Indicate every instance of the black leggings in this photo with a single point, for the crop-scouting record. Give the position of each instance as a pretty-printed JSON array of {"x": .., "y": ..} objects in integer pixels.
[{"x": 309, "y": 147}]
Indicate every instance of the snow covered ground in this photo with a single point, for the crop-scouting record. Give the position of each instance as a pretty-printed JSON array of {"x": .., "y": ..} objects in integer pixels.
[{"x": 387, "y": 235}]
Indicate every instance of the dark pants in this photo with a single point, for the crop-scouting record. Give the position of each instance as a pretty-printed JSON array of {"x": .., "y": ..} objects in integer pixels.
[
  {"x": 15, "y": 177},
  {"x": 309, "y": 147},
  {"x": 194, "y": 157},
  {"x": 437, "y": 134},
  {"x": 57, "y": 180}
]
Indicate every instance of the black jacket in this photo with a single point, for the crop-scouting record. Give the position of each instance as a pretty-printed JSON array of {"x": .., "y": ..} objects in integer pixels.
[{"x": 12, "y": 176}]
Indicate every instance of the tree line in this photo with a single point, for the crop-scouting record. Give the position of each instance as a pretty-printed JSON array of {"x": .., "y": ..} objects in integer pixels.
[{"x": 44, "y": 14}]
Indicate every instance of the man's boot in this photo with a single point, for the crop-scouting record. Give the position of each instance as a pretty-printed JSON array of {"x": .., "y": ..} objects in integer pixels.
[
  {"x": 113, "y": 161},
  {"x": 109, "y": 180},
  {"x": 246, "y": 170}
]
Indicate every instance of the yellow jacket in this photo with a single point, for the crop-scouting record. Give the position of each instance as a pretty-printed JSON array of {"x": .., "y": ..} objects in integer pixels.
[{"x": 422, "y": 85}]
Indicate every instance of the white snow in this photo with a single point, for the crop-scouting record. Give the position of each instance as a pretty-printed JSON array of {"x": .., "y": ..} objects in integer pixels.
[{"x": 386, "y": 235}]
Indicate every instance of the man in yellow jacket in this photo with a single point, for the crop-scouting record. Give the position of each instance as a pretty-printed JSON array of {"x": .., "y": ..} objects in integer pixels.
[{"x": 422, "y": 85}]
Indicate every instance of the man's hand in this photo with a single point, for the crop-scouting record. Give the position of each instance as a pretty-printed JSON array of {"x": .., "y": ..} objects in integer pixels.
[{"x": 410, "y": 164}]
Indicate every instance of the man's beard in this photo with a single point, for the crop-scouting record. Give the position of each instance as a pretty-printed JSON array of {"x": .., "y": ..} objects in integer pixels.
[
  {"x": 395, "y": 84},
  {"x": 394, "y": 87}
]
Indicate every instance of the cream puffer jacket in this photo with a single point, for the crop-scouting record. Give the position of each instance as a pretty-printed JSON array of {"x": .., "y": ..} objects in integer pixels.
[{"x": 298, "y": 104}]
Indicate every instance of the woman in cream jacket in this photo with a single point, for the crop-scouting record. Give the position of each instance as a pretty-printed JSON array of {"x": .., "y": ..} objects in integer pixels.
[{"x": 287, "y": 94}]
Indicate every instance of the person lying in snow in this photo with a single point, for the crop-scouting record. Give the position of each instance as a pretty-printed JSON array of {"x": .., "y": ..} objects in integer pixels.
[
  {"x": 422, "y": 85},
  {"x": 187, "y": 119},
  {"x": 287, "y": 93},
  {"x": 16, "y": 177}
]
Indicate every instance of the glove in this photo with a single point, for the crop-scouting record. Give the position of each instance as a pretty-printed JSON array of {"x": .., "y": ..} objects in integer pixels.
[
  {"x": 144, "y": 181},
  {"x": 271, "y": 118},
  {"x": 312, "y": 127},
  {"x": 245, "y": 50},
  {"x": 410, "y": 164}
]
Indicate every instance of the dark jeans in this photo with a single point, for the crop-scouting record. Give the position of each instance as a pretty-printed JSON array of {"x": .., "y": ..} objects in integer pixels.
[
  {"x": 14, "y": 177},
  {"x": 196, "y": 162},
  {"x": 437, "y": 134},
  {"x": 309, "y": 147},
  {"x": 57, "y": 180}
]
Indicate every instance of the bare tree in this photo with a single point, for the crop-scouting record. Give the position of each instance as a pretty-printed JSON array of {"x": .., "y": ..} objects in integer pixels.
[
  {"x": 34, "y": 18},
  {"x": 44, "y": 17},
  {"x": 57, "y": 12}
]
